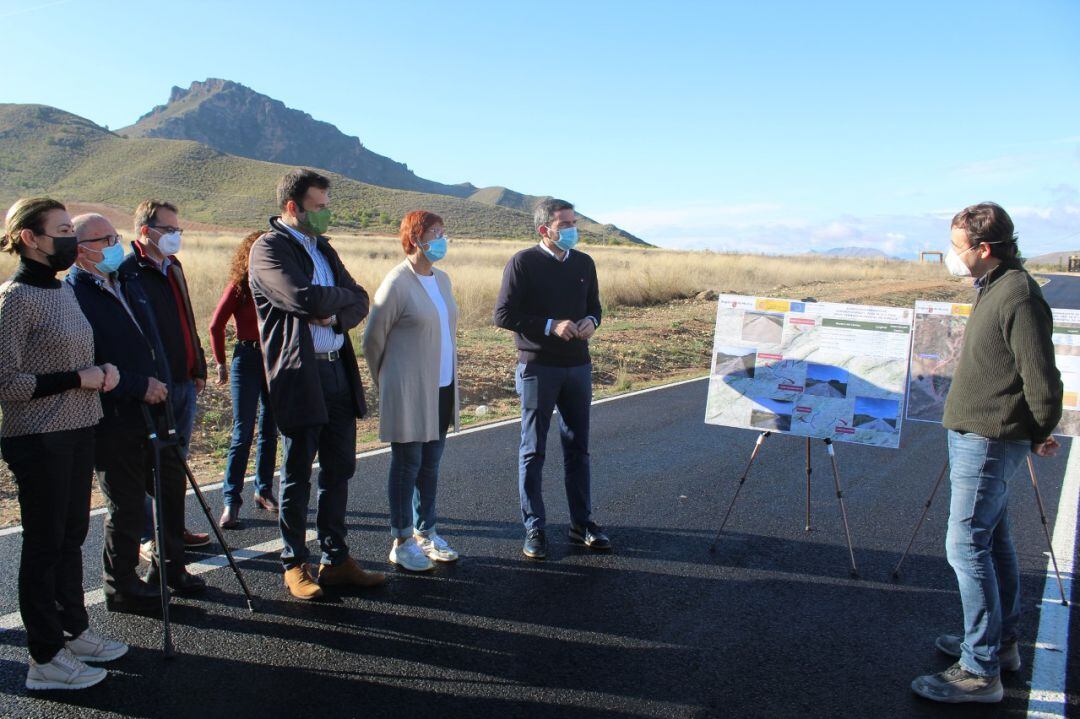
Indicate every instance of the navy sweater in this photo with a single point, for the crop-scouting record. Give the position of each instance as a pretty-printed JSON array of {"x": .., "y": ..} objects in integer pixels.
[
  {"x": 135, "y": 350},
  {"x": 536, "y": 288}
]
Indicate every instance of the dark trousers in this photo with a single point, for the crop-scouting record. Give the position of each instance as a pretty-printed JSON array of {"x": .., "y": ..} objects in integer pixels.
[
  {"x": 251, "y": 406},
  {"x": 542, "y": 389},
  {"x": 335, "y": 445},
  {"x": 182, "y": 400},
  {"x": 125, "y": 474},
  {"x": 53, "y": 472}
]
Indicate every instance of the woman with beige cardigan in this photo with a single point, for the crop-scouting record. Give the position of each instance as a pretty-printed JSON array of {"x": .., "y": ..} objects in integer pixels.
[{"x": 410, "y": 345}]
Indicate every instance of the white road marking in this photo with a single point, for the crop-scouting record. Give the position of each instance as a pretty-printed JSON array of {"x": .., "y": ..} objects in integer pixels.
[
  {"x": 13, "y": 620},
  {"x": 384, "y": 450},
  {"x": 1048, "y": 672}
]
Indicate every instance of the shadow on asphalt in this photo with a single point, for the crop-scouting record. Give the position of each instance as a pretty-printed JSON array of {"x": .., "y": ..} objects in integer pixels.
[{"x": 660, "y": 626}]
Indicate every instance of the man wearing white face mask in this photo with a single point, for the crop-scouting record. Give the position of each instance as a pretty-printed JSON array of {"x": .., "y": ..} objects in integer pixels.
[
  {"x": 1004, "y": 402},
  {"x": 550, "y": 299},
  {"x": 157, "y": 241},
  {"x": 125, "y": 333}
]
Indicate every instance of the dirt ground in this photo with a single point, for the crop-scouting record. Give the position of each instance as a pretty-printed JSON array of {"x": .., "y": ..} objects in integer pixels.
[{"x": 636, "y": 347}]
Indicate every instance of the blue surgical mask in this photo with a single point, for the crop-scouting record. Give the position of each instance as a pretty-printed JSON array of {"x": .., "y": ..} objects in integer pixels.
[
  {"x": 567, "y": 239},
  {"x": 111, "y": 257},
  {"x": 436, "y": 249}
]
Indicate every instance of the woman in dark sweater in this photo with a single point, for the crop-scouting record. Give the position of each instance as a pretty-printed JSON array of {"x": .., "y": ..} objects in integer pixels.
[
  {"x": 49, "y": 398},
  {"x": 250, "y": 399}
]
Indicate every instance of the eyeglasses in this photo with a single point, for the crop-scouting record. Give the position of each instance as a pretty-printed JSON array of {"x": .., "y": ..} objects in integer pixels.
[
  {"x": 110, "y": 240},
  {"x": 167, "y": 229}
]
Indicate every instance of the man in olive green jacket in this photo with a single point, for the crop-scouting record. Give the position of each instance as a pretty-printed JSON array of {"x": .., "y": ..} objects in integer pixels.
[{"x": 1004, "y": 402}]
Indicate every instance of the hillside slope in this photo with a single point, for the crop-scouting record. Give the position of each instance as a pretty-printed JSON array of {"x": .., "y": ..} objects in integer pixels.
[
  {"x": 235, "y": 119},
  {"x": 43, "y": 149}
]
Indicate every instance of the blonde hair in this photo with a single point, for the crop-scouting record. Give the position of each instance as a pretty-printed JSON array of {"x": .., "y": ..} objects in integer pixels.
[{"x": 28, "y": 213}]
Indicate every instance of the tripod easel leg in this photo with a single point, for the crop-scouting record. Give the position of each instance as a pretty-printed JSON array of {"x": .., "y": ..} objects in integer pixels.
[
  {"x": 918, "y": 525},
  {"x": 843, "y": 511},
  {"x": 217, "y": 530},
  {"x": 159, "y": 540},
  {"x": 742, "y": 481},
  {"x": 1046, "y": 530},
  {"x": 809, "y": 471}
]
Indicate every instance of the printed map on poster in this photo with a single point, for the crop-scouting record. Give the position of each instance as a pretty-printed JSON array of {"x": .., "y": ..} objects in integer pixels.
[
  {"x": 936, "y": 339},
  {"x": 814, "y": 369},
  {"x": 938, "y": 335},
  {"x": 1067, "y": 354}
]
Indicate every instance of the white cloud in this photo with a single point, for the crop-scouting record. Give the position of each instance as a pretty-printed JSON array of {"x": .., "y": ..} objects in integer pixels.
[
  {"x": 1042, "y": 229},
  {"x": 690, "y": 220}
]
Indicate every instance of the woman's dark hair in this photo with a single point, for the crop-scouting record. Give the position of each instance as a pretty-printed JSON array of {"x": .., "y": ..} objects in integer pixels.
[
  {"x": 988, "y": 222},
  {"x": 27, "y": 213}
]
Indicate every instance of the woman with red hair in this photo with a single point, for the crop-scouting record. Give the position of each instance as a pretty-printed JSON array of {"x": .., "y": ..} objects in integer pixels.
[{"x": 410, "y": 345}]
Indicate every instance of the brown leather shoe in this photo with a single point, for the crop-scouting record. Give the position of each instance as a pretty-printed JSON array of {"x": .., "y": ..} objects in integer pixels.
[
  {"x": 348, "y": 574},
  {"x": 266, "y": 503},
  {"x": 301, "y": 584},
  {"x": 195, "y": 539}
]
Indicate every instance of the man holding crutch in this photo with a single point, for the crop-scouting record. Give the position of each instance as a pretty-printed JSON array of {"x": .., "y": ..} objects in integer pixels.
[
  {"x": 126, "y": 335},
  {"x": 1004, "y": 402}
]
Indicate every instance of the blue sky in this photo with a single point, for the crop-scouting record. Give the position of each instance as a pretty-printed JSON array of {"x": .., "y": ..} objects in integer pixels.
[{"x": 773, "y": 126}]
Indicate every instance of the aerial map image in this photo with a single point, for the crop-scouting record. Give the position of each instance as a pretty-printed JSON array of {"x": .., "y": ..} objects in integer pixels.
[
  {"x": 937, "y": 337},
  {"x": 812, "y": 369}
]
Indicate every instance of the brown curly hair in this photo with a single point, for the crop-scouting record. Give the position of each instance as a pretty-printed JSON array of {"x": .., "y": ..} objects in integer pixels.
[{"x": 238, "y": 270}]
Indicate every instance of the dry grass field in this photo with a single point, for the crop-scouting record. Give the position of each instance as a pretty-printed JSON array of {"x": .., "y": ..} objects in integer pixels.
[
  {"x": 629, "y": 276},
  {"x": 658, "y": 319}
]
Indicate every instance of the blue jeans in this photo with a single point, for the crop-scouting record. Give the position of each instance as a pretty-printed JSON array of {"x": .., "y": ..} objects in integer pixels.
[
  {"x": 542, "y": 389},
  {"x": 414, "y": 478},
  {"x": 182, "y": 400},
  {"x": 979, "y": 546},
  {"x": 250, "y": 401},
  {"x": 335, "y": 445}
]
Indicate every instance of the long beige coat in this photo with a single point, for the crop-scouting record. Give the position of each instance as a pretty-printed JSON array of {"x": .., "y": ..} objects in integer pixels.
[{"x": 402, "y": 345}]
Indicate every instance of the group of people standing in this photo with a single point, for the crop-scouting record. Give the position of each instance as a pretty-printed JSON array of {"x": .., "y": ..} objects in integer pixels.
[{"x": 90, "y": 364}]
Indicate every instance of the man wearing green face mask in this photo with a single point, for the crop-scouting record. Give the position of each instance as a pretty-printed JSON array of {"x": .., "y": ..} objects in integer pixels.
[{"x": 307, "y": 302}]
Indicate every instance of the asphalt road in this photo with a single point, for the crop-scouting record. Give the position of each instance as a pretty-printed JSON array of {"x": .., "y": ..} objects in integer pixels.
[{"x": 769, "y": 625}]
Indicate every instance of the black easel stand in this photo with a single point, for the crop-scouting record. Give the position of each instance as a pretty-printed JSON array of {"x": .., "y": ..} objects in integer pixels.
[
  {"x": 158, "y": 444},
  {"x": 809, "y": 471},
  {"x": 1042, "y": 518}
]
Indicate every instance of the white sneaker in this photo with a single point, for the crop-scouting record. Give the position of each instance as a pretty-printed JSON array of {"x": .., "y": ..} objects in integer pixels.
[
  {"x": 148, "y": 550},
  {"x": 435, "y": 547},
  {"x": 408, "y": 555},
  {"x": 92, "y": 647},
  {"x": 65, "y": 671}
]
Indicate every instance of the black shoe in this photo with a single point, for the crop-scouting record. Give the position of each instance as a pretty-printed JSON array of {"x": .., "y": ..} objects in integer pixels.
[
  {"x": 183, "y": 583},
  {"x": 126, "y": 605},
  {"x": 535, "y": 544},
  {"x": 591, "y": 536},
  {"x": 136, "y": 597}
]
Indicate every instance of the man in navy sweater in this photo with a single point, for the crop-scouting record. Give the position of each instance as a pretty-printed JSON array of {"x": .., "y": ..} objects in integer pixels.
[{"x": 551, "y": 301}]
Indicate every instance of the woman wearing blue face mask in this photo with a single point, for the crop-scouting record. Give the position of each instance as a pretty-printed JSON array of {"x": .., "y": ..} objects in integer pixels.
[{"x": 410, "y": 345}]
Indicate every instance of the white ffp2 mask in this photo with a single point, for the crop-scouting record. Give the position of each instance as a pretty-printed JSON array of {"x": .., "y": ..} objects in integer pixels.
[{"x": 955, "y": 265}]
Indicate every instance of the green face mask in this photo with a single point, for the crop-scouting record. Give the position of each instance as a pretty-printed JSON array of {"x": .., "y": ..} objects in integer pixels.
[{"x": 318, "y": 220}]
